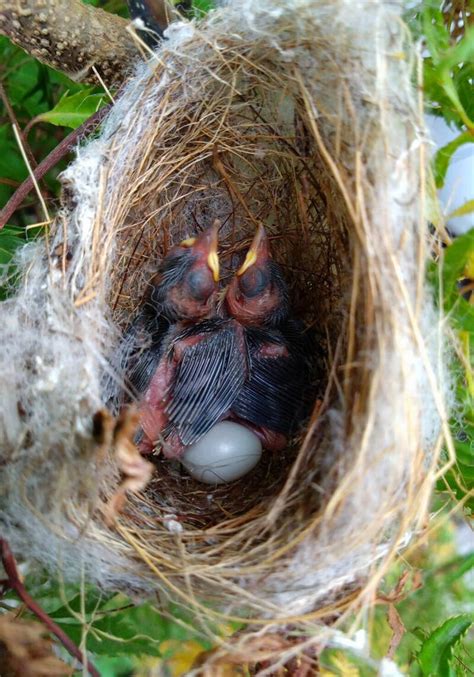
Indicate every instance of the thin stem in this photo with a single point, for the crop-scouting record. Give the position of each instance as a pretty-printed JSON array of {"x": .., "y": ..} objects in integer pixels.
[
  {"x": 49, "y": 162},
  {"x": 14, "y": 121},
  {"x": 14, "y": 582}
]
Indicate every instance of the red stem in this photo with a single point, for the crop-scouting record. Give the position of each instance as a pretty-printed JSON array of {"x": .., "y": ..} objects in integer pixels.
[
  {"x": 14, "y": 582},
  {"x": 49, "y": 162}
]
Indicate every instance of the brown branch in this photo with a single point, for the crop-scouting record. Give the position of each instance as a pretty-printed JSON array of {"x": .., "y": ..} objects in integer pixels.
[
  {"x": 14, "y": 121},
  {"x": 71, "y": 37},
  {"x": 15, "y": 584},
  {"x": 49, "y": 162}
]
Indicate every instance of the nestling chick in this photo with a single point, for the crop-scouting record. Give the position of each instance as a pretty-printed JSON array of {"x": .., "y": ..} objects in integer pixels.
[
  {"x": 271, "y": 401},
  {"x": 258, "y": 294},
  {"x": 182, "y": 293}
]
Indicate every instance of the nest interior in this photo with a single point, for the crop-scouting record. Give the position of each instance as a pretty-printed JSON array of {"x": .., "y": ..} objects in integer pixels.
[
  {"x": 258, "y": 168},
  {"x": 259, "y": 116}
]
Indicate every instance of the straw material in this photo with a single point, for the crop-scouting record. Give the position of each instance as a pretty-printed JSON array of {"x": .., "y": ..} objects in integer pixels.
[{"x": 301, "y": 115}]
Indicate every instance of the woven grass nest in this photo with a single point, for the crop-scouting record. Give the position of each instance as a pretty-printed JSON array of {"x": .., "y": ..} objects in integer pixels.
[{"x": 299, "y": 115}]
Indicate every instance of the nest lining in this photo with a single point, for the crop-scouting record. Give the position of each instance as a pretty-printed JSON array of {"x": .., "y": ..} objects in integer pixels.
[{"x": 257, "y": 116}]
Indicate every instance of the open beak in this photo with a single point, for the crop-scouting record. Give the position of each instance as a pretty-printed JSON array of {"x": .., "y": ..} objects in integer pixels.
[
  {"x": 207, "y": 242},
  {"x": 258, "y": 250}
]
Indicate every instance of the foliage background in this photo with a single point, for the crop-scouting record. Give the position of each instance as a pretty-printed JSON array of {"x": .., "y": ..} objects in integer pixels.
[{"x": 423, "y": 622}]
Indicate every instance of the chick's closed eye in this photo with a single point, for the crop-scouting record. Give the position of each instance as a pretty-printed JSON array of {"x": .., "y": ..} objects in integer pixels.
[
  {"x": 254, "y": 282},
  {"x": 200, "y": 284}
]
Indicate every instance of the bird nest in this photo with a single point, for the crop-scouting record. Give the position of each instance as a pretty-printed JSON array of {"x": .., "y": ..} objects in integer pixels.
[{"x": 301, "y": 116}]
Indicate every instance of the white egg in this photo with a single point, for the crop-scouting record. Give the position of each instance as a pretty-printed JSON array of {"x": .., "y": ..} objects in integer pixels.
[{"x": 228, "y": 451}]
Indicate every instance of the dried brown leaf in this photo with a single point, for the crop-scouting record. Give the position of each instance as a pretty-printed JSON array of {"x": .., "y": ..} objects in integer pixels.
[
  {"x": 396, "y": 624},
  {"x": 25, "y": 651},
  {"x": 135, "y": 470}
]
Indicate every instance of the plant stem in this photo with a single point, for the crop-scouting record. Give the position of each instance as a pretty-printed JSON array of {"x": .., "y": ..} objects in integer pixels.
[
  {"x": 14, "y": 582},
  {"x": 49, "y": 162}
]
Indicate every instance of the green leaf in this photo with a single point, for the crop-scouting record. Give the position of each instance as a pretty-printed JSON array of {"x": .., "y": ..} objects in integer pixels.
[
  {"x": 464, "y": 564},
  {"x": 12, "y": 165},
  {"x": 93, "y": 601},
  {"x": 202, "y": 7},
  {"x": 444, "y": 155},
  {"x": 463, "y": 316},
  {"x": 448, "y": 71},
  {"x": 436, "y": 100},
  {"x": 116, "y": 7},
  {"x": 436, "y": 651},
  {"x": 453, "y": 481},
  {"x": 72, "y": 110},
  {"x": 435, "y": 32},
  {"x": 463, "y": 76},
  {"x": 461, "y": 53},
  {"x": 465, "y": 452},
  {"x": 134, "y": 631},
  {"x": 10, "y": 239},
  {"x": 452, "y": 571},
  {"x": 455, "y": 259},
  {"x": 467, "y": 473},
  {"x": 466, "y": 208},
  {"x": 112, "y": 666},
  {"x": 452, "y": 94}
]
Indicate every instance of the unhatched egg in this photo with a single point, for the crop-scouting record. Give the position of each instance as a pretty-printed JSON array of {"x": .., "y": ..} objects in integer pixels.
[{"x": 228, "y": 451}]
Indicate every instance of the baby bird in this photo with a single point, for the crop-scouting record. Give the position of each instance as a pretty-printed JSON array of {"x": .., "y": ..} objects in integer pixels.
[
  {"x": 183, "y": 290},
  {"x": 188, "y": 369},
  {"x": 271, "y": 400},
  {"x": 258, "y": 295}
]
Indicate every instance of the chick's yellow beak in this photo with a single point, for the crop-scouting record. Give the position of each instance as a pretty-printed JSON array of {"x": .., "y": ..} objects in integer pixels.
[
  {"x": 254, "y": 251},
  {"x": 205, "y": 245},
  {"x": 212, "y": 257},
  {"x": 249, "y": 261},
  {"x": 213, "y": 263}
]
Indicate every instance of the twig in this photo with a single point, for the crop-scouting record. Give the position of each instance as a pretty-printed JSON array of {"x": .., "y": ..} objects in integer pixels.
[
  {"x": 9, "y": 182},
  {"x": 24, "y": 155},
  {"x": 103, "y": 85},
  {"x": 15, "y": 584},
  {"x": 49, "y": 162},
  {"x": 31, "y": 162},
  {"x": 14, "y": 121}
]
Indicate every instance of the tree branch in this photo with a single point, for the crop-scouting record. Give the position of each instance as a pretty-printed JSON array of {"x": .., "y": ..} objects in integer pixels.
[
  {"x": 71, "y": 37},
  {"x": 49, "y": 162}
]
